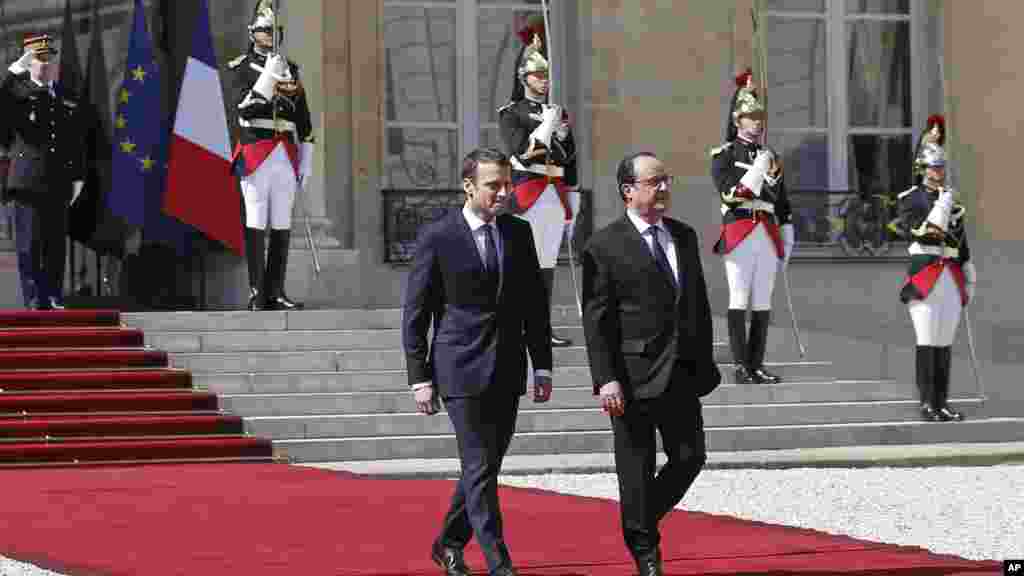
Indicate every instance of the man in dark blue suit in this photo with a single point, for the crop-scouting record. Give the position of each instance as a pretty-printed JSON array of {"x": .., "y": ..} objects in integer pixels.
[{"x": 476, "y": 282}]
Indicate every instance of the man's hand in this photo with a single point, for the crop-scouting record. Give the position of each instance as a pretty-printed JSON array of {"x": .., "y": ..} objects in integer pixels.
[
  {"x": 427, "y": 402},
  {"x": 611, "y": 398},
  {"x": 541, "y": 388}
]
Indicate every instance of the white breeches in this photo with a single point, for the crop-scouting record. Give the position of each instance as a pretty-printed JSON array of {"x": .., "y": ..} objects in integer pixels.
[
  {"x": 547, "y": 220},
  {"x": 750, "y": 269},
  {"x": 937, "y": 316},
  {"x": 269, "y": 192}
]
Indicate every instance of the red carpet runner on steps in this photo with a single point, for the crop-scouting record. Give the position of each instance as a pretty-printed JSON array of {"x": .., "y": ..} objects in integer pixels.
[
  {"x": 77, "y": 387},
  {"x": 275, "y": 519}
]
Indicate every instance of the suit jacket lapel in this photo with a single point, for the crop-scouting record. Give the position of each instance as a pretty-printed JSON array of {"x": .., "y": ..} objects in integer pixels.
[
  {"x": 636, "y": 249},
  {"x": 681, "y": 263},
  {"x": 465, "y": 237}
]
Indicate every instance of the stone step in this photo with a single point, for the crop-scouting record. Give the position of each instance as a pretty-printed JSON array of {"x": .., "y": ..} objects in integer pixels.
[
  {"x": 728, "y": 439},
  {"x": 564, "y": 397},
  {"x": 535, "y": 419},
  {"x": 388, "y": 380},
  {"x": 294, "y": 340},
  {"x": 387, "y": 359},
  {"x": 232, "y": 320}
]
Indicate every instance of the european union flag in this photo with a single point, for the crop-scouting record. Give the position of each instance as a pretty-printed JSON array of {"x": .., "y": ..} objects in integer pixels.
[
  {"x": 137, "y": 177},
  {"x": 139, "y": 147}
]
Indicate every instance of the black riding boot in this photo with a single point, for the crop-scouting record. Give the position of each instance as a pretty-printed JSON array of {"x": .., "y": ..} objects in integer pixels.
[
  {"x": 277, "y": 265},
  {"x": 925, "y": 361},
  {"x": 943, "y": 357},
  {"x": 759, "y": 321},
  {"x": 254, "y": 254},
  {"x": 737, "y": 320},
  {"x": 549, "y": 282}
]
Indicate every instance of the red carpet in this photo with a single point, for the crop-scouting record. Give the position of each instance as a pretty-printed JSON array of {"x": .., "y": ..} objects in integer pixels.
[
  {"x": 64, "y": 337},
  {"x": 115, "y": 379},
  {"x": 78, "y": 388},
  {"x": 275, "y": 519}
]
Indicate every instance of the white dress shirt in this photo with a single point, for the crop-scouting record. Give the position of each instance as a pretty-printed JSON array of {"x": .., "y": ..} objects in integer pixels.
[{"x": 664, "y": 238}]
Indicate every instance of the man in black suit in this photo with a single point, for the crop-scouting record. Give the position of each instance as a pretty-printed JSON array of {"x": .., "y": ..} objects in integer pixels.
[
  {"x": 46, "y": 129},
  {"x": 647, "y": 324},
  {"x": 476, "y": 282}
]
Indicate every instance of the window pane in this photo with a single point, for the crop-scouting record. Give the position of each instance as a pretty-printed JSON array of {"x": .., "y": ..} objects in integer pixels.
[
  {"x": 879, "y": 67},
  {"x": 878, "y": 6},
  {"x": 805, "y": 159},
  {"x": 798, "y": 89},
  {"x": 797, "y": 5},
  {"x": 420, "y": 66},
  {"x": 499, "y": 45},
  {"x": 421, "y": 158},
  {"x": 880, "y": 164}
]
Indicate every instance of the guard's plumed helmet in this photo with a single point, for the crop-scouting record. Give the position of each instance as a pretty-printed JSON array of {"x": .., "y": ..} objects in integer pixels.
[
  {"x": 263, "y": 17},
  {"x": 744, "y": 103},
  {"x": 533, "y": 59},
  {"x": 931, "y": 156}
]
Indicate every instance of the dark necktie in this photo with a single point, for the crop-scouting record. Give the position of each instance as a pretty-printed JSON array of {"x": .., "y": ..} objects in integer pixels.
[
  {"x": 491, "y": 257},
  {"x": 659, "y": 256}
]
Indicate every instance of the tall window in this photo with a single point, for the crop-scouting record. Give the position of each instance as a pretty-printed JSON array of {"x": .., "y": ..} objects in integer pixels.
[
  {"x": 851, "y": 82},
  {"x": 450, "y": 64}
]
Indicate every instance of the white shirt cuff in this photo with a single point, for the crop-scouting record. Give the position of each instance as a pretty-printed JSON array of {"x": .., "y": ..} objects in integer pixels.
[
  {"x": 420, "y": 385},
  {"x": 541, "y": 372}
]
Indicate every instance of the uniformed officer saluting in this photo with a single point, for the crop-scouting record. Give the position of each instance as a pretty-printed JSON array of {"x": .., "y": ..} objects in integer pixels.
[
  {"x": 540, "y": 144},
  {"x": 46, "y": 129},
  {"x": 274, "y": 156},
  {"x": 757, "y": 233},
  {"x": 940, "y": 281}
]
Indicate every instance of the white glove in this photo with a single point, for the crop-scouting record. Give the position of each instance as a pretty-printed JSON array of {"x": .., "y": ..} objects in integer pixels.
[
  {"x": 305, "y": 161},
  {"x": 21, "y": 64},
  {"x": 788, "y": 240},
  {"x": 940, "y": 212},
  {"x": 754, "y": 178},
  {"x": 276, "y": 70},
  {"x": 551, "y": 117},
  {"x": 76, "y": 190},
  {"x": 575, "y": 199},
  {"x": 562, "y": 131}
]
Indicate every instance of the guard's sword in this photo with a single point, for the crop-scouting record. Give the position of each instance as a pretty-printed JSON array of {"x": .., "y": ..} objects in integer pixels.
[{"x": 974, "y": 354}]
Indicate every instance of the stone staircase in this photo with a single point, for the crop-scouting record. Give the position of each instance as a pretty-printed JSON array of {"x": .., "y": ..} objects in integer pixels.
[{"x": 330, "y": 386}]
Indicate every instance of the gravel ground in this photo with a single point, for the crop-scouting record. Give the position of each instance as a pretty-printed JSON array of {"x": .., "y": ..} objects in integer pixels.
[{"x": 973, "y": 512}]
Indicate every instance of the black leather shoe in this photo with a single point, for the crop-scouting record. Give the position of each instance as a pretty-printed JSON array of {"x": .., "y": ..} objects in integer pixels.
[
  {"x": 55, "y": 304},
  {"x": 557, "y": 342},
  {"x": 947, "y": 414},
  {"x": 649, "y": 565},
  {"x": 282, "y": 302},
  {"x": 930, "y": 414},
  {"x": 763, "y": 376},
  {"x": 744, "y": 376},
  {"x": 505, "y": 571},
  {"x": 449, "y": 559}
]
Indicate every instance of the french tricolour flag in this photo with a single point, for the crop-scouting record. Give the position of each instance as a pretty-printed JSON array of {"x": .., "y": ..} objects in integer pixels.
[{"x": 201, "y": 191}]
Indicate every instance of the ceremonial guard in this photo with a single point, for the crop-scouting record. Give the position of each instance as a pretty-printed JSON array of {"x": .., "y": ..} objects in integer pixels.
[
  {"x": 756, "y": 234},
  {"x": 940, "y": 280},
  {"x": 540, "y": 143},
  {"x": 45, "y": 129},
  {"x": 274, "y": 156}
]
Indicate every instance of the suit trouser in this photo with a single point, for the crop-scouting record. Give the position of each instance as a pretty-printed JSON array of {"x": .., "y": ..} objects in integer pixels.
[
  {"x": 645, "y": 498},
  {"x": 48, "y": 225},
  {"x": 23, "y": 220},
  {"x": 483, "y": 428}
]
